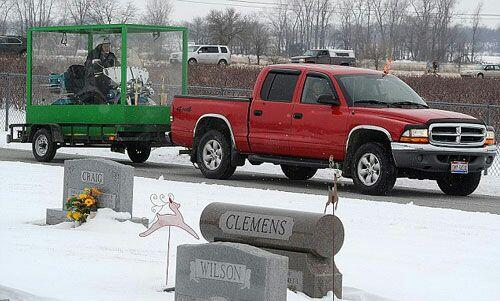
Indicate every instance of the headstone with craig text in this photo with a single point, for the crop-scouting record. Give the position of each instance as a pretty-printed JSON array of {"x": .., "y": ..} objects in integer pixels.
[{"x": 113, "y": 179}]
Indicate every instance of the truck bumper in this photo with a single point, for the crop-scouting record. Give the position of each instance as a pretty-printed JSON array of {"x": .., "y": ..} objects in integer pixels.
[{"x": 431, "y": 158}]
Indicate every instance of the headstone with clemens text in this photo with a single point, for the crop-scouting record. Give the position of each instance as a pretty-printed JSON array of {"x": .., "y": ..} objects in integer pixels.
[
  {"x": 225, "y": 271},
  {"x": 114, "y": 180},
  {"x": 305, "y": 238}
]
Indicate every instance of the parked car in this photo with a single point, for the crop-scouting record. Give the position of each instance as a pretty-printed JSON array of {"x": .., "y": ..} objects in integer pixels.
[
  {"x": 13, "y": 45},
  {"x": 373, "y": 124},
  {"x": 327, "y": 56},
  {"x": 204, "y": 54},
  {"x": 482, "y": 71}
]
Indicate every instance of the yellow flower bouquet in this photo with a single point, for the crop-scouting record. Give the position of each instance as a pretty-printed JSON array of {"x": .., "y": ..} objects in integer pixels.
[{"x": 80, "y": 205}]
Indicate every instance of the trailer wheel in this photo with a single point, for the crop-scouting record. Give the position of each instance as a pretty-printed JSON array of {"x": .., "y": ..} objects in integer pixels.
[
  {"x": 373, "y": 170},
  {"x": 44, "y": 148},
  {"x": 214, "y": 156},
  {"x": 459, "y": 185},
  {"x": 139, "y": 153},
  {"x": 298, "y": 172}
]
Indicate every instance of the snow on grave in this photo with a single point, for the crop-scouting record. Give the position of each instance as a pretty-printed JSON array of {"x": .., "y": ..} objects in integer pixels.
[
  {"x": 304, "y": 237},
  {"x": 115, "y": 180},
  {"x": 229, "y": 271}
]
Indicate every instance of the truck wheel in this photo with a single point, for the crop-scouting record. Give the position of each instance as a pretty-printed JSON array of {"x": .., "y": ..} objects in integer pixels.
[
  {"x": 139, "y": 153},
  {"x": 213, "y": 156},
  {"x": 192, "y": 61},
  {"x": 44, "y": 148},
  {"x": 373, "y": 170},
  {"x": 298, "y": 172},
  {"x": 459, "y": 185}
]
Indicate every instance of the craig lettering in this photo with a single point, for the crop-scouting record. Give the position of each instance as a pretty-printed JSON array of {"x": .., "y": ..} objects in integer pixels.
[
  {"x": 92, "y": 177},
  {"x": 256, "y": 225}
]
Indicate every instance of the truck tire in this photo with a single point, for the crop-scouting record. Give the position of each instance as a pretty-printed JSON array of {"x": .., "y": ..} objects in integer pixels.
[
  {"x": 298, "y": 172},
  {"x": 139, "y": 153},
  {"x": 373, "y": 169},
  {"x": 459, "y": 185},
  {"x": 43, "y": 146},
  {"x": 192, "y": 61},
  {"x": 213, "y": 156}
]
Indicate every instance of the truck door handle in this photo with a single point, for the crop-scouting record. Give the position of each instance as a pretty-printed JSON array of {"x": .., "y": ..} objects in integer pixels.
[
  {"x": 257, "y": 112},
  {"x": 297, "y": 115}
]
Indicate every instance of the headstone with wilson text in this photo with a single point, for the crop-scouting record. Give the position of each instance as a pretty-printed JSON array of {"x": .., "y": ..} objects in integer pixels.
[
  {"x": 114, "y": 180},
  {"x": 306, "y": 238},
  {"x": 225, "y": 271}
]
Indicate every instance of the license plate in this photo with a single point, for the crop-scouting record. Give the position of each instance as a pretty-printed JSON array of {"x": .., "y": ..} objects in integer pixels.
[{"x": 459, "y": 167}]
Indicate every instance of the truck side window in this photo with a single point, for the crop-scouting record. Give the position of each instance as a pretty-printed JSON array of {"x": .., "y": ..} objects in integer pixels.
[
  {"x": 314, "y": 87},
  {"x": 279, "y": 87},
  {"x": 223, "y": 49}
]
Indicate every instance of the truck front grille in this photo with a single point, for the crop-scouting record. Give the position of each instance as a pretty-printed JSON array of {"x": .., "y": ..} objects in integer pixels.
[{"x": 457, "y": 134}]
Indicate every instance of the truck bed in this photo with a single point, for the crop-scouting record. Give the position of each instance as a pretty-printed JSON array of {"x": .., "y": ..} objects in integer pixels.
[{"x": 187, "y": 110}]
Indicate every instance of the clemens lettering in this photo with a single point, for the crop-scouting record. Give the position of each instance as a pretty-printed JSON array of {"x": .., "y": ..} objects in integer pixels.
[{"x": 256, "y": 225}]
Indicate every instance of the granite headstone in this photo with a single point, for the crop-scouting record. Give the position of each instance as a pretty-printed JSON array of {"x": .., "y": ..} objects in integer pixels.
[
  {"x": 226, "y": 271},
  {"x": 305, "y": 238},
  {"x": 114, "y": 180}
]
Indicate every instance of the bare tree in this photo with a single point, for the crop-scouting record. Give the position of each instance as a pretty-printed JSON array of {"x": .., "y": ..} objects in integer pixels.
[
  {"x": 259, "y": 38},
  {"x": 476, "y": 21},
  {"x": 104, "y": 11},
  {"x": 79, "y": 10},
  {"x": 5, "y": 8},
  {"x": 225, "y": 26},
  {"x": 158, "y": 12},
  {"x": 198, "y": 32},
  {"x": 33, "y": 13},
  {"x": 128, "y": 13}
]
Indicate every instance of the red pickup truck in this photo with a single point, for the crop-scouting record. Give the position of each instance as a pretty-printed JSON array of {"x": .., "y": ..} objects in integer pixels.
[{"x": 373, "y": 124}]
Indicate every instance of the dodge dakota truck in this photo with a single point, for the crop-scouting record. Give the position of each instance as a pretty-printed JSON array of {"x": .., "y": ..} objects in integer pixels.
[{"x": 373, "y": 124}]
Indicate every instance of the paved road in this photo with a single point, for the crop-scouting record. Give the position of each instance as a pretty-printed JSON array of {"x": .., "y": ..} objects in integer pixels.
[{"x": 428, "y": 198}]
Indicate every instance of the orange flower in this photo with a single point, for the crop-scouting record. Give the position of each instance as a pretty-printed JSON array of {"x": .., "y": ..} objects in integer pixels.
[
  {"x": 96, "y": 192},
  {"x": 89, "y": 202},
  {"x": 77, "y": 215}
]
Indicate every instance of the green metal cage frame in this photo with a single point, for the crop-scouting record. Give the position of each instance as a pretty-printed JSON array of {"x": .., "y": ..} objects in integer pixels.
[{"x": 101, "y": 114}]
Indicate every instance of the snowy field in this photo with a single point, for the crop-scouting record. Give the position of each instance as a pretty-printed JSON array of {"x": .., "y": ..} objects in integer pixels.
[
  {"x": 490, "y": 185},
  {"x": 391, "y": 252}
]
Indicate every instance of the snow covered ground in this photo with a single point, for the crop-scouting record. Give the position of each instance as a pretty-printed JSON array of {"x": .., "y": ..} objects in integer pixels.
[
  {"x": 398, "y": 252},
  {"x": 490, "y": 185}
]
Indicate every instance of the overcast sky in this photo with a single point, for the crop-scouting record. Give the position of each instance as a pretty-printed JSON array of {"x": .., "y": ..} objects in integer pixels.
[{"x": 187, "y": 10}]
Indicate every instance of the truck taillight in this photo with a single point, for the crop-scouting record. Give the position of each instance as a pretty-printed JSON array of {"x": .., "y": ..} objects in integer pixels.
[{"x": 415, "y": 136}]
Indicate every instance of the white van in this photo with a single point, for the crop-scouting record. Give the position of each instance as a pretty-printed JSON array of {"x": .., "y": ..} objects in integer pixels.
[{"x": 204, "y": 54}]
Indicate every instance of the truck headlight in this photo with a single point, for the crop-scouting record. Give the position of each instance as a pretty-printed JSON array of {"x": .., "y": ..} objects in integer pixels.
[
  {"x": 302, "y": 60},
  {"x": 490, "y": 136},
  {"x": 415, "y": 136}
]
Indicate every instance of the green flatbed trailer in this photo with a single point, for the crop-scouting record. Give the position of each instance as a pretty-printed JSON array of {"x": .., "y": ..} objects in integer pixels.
[{"x": 61, "y": 109}]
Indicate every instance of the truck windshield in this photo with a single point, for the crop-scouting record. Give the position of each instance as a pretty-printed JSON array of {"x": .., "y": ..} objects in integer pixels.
[
  {"x": 193, "y": 48},
  {"x": 311, "y": 53},
  {"x": 374, "y": 89}
]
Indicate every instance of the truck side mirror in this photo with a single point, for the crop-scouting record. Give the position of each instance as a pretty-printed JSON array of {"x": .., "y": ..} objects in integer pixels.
[{"x": 328, "y": 99}]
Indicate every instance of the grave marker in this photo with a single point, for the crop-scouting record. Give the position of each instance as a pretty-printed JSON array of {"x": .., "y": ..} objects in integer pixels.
[{"x": 229, "y": 272}]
